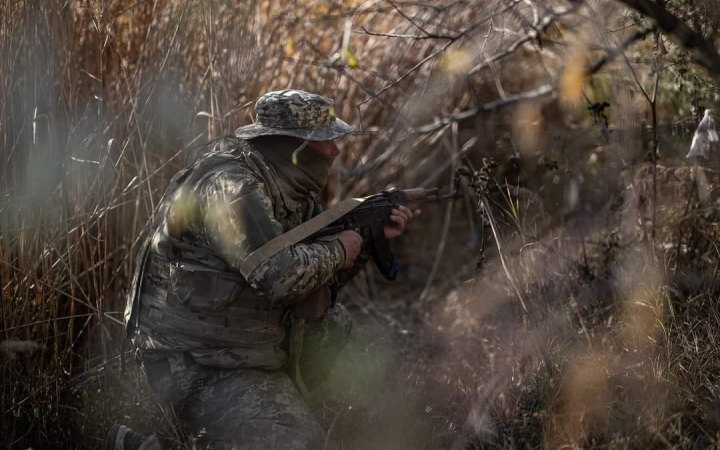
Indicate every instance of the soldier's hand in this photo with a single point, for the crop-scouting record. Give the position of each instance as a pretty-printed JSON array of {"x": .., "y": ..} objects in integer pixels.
[
  {"x": 399, "y": 217},
  {"x": 351, "y": 242}
]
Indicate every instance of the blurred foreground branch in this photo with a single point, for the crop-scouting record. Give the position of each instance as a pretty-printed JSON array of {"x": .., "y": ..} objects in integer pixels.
[
  {"x": 540, "y": 92},
  {"x": 536, "y": 30},
  {"x": 702, "y": 50}
]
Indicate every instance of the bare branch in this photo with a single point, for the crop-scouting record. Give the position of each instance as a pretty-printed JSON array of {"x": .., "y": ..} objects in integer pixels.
[
  {"x": 638, "y": 35},
  {"x": 533, "y": 34},
  {"x": 409, "y": 72},
  {"x": 434, "y": 54},
  {"x": 408, "y": 18},
  {"x": 702, "y": 50},
  {"x": 534, "y": 94},
  {"x": 540, "y": 92},
  {"x": 407, "y": 36},
  {"x": 637, "y": 79}
]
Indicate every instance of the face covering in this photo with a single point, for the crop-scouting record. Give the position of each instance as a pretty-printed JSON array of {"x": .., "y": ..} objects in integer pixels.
[{"x": 296, "y": 180}]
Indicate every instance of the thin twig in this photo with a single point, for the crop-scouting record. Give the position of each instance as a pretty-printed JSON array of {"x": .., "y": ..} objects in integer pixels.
[
  {"x": 611, "y": 55},
  {"x": 496, "y": 235},
  {"x": 405, "y": 36},
  {"x": 534, "y": 94},
  {"x": 533, "y": 34},
  {"x": 702, "y": 50},
  {"x": 408, "y": 18},
  {"x": 412, "y": 70},
  {"x": 433, "y": 55},
  {"x": 540, "y": 92},
  {"x": 330, "y": 429},
  {"x": 446, "y": 220}
]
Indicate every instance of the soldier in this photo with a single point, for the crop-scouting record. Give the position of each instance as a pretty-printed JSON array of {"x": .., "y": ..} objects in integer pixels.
[{"x": 228, "y": 355}]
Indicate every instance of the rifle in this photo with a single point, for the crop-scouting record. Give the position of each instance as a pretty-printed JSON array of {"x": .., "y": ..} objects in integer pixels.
[
  {"x": 371, "y": 216},
  {"x": 367, "y": 216}
]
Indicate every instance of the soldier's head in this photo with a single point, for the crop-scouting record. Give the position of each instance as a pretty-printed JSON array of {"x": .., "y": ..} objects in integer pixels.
[{"x": 299, "y": 114}]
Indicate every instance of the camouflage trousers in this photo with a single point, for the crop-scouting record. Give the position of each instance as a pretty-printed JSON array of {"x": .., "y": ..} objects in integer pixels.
[{"x": 215, "y": 408}]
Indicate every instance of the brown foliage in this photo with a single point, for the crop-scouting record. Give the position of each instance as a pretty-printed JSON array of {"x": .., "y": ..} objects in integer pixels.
[{"x": 103, "y": 100}]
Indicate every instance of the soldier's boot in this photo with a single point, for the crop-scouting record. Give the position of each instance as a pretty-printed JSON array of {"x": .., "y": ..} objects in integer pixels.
[{"x": 121, "y": 437}]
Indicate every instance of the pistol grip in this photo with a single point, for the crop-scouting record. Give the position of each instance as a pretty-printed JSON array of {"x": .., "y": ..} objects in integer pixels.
[{"x": 384, "y": 259}]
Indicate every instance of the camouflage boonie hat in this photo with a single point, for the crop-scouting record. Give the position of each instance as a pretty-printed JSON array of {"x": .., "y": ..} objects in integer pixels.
[{"x": 295, "y": 113}]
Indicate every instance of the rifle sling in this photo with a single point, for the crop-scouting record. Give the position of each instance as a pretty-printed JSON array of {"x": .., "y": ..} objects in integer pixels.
[{"x": 297, "y": 234}]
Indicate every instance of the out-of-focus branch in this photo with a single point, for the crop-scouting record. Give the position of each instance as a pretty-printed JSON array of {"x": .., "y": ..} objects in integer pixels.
[
  {"x": 440, "y": 51},
  {"x": 638, "y": 35},
  {"x": 540, "y": 92},
  {"x": 409, "y": 72},
  {"x": 702, "y": 50},
  {"x": 537, "y": 29},
  {"x": 407, "y": 36},
  {"x": 408, "y": 18}
]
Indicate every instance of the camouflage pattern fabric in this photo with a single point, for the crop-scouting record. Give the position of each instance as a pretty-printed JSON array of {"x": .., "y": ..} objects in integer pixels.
[
  {"x": 295, "y": 113},
  {"x": 231, "y": 204},
  {"x": 242, "y": 408},
  {"x": 232, "y": 408}
]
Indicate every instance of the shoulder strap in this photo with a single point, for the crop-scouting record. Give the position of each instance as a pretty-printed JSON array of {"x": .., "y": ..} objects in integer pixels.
[{"x": 297, "y": 234}]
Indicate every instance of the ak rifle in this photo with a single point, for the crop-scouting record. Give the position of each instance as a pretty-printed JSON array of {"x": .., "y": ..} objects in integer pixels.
[
  {"x": 368, "y": 217},
  {"x": 371, "y": 216}
]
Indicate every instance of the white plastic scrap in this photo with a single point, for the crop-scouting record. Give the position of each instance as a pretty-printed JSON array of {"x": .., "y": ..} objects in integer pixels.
[{"x": 705, "y": 134}]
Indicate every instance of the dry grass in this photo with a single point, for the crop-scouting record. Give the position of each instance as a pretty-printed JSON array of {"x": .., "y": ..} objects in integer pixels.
[{"x": 103, "y": 100}]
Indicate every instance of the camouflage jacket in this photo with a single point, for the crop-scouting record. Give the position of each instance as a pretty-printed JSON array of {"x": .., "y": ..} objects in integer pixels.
[{"x": 187, "y": 293}]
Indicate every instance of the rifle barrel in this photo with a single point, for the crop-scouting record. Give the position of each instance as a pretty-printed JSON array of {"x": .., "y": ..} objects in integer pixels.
[
  {"x": 411, "y": 195},
  {"x": 450, "y": 196},
  {"x": 436, "y": 197}
]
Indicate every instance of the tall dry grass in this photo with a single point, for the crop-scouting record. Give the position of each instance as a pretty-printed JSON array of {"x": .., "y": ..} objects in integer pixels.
[{"x": 103, "y": 100}]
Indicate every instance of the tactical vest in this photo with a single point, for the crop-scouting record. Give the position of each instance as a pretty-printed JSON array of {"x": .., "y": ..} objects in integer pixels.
[{"x": 188, "y": 300}]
